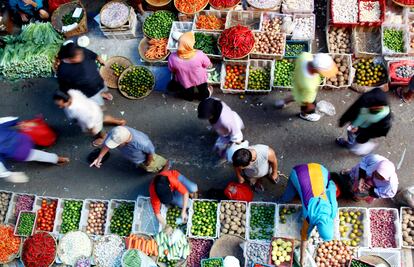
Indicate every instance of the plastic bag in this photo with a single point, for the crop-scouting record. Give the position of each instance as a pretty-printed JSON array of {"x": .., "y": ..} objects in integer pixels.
[
  {"x": 326, "y": 107},
  {"x": 237, "y": 191},
  {"x": 231, "y": 261},
  {"x": 39, "y": 131},
  {"x": 405, "y": 197}
]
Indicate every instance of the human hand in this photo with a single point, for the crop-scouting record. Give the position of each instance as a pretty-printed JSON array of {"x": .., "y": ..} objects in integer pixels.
[
  {"x": 275, "y": 178},
  {"x": 28, "y": 2},
  {"x": 24, "y": 17},
  {"x": 241, "y": 180},
  {"x": 354, "y": 129},
  {"x": 97, "y": 163},
  {"x": 184, "y": 216},
  {"x": 168, "y": 230}
]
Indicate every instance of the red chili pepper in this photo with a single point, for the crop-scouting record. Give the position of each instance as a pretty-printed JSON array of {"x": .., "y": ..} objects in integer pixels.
[
  {"x": 39, "y": 250},
  {"x": 236, "y": 42}
]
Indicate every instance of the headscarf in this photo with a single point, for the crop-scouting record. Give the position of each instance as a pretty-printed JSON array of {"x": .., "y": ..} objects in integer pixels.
[
  {"x": 186, "y": 46},
  {"x": 210, "y": 109},
  {"x": 324, "y": 65},
  {"x": 388, "y": 187}
]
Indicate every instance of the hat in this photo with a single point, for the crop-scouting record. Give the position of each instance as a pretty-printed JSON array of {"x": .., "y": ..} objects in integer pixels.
[
  {"x": 324, "y": 65},
  {"x": 117, "y": 136}
]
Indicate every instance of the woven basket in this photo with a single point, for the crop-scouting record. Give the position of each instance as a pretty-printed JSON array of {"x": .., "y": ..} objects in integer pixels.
[
  {"x": 158, "y": 3},
  {"x": 111, "y": 80},
  {"x": 225, "y": 8},
  {"x": 404, "y": 3},
  {"x": 60, "y": 249},
  {"x": 196, "y": 11},
  {"x": 120, "y": 23},
  {"x": 143, "y": 47},
  {"x": 228, "y": 245},
  {"x": 54, "y": 239},
  {"x": 125, "y": 94},
  {"x": 64, "y": 9},
  {"x": 12, "y": 257},
  {"x": 276, "y": 3}
]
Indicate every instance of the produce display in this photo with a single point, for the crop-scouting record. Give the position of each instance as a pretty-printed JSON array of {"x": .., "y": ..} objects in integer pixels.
[
  {"x": 357, "y": 263},
  {"x": 297, "y": 5},
  {"x": 283, "y": 72},
  {"x": 107, "y": 251},
  {"x": 68, "y": 18},
  {"x": 158, "y": 25},
  {"x": 393, "y": 40},
  {"x": 210, "y": 22},
  {"x": 263, "y": 4},
  {"x": 25, "y": 223},
  {"x": 408, "y": 226},
  {"x": 39, "y": 250},
  {"x": 304, "y": 28},
  {"x": 342, "y": 77},
  {"x": 259, "y": 78},
  {"x": 9, "y": 243},
  {"x": 46, "y": 215},
  {"x": 71, "y": 215},
  {"x": 295, "y": 49},
  {"x": 121, "y": 221},
  {"x": 286, "y": 212},
  {"x": 190, "y": 6},
  {"x": 212, "y": 263},
  {"x": 136, "y": 82},
  {"x": 204, "y": 218},
  {"x": 345, "y": 11},
  {"x": 369, "y": 11},
  {"x": 222, "y": 4},
  {"x": 146, "y": 245},
  {"x": 236, "y": 42},
  {"x": 281, "y": 251},
  {"x": 368, "y": 41},
  {"x": 200, "y": 249},
  {"x": 368, "y": 73},
  {"x": 174, "y": 246},
  {"x": 117, "y": 69},
  {"x": 83, "y": 262},
  {"x": 269, "y": 43},
  {"x": 23, "y": 203},
  {"x": 131, "y": 258},
  {"x": 213, "y": 76},
  {"x": 74, "y": 245},
  {"x": 206, "y": 43},
  {"x": 351, "y": 227},
  {"x": 115, "y": 14},
  {"x": 233, "y": 218},
  {"x": 333, "y": 253},
  {"x": 235, "y": 77},
  {"x": 4, "y": 205},
  {"x": 173, "y": 216},
  {"x": 147, "y": 223},
  {"x": 262, "y": 218},
  {"x": 257, "y": 252},
  {"x": 339, "y": 40},
  {"x": 157, "y": 48},
  {"x": 96, "y": 218},
  {"x": 382, "y": 226}
]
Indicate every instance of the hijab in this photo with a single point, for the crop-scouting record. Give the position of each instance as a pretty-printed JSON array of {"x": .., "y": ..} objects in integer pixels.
[
  {"x": 388, "y": 187},
  {"x": 210, "y": 109},
  {"x": 186, "y": 46}
]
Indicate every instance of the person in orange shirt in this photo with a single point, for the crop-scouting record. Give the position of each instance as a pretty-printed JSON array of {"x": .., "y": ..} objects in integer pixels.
[{"x": 171, "y": 188}]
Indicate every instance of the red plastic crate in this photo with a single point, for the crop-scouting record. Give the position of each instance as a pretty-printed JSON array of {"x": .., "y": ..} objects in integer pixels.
[
  {"x": 340, "y": 24},
  {"x": 382, "y": 16}
]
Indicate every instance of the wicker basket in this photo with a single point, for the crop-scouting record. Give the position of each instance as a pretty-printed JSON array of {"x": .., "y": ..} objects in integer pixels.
[
  {"x": 276, "y": 4},
  {"x": 191, "y": 13},
  {"x": 131, "y": 97},
  {"x": 226, "y": 8},
  {"x": 12, "y": 257},
  {"x": 111, "y": 80},
  {"x": 54, "y": 239},
  {"x": 143, "y": 47},
  {"x": 404, "y": 3},
  {"x": 59, "y": 248},
  {"x": 120, "y": 23},
  {"x": 158, "y": 3},
  {"x": 64, "y": 9}
]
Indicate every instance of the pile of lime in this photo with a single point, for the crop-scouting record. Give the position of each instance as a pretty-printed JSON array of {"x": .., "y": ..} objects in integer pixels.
[
  {"x": 351, "y": 227},
  {"x": 173, "y": 214},
  {"x": 262, "y": 219},
  {"x": 137, "y": 82},
  {"x": 121, "y": 221},
  {"x": 118, "y": 69},
  {"x": 212, "y": 263},
  {"x": 259, "y": 79},
  {"x": 158, "y": 25},
  {"x": 204, "y": 219},
  {"x": 71, "y": 215},
  {"x": 168, "y": 263},
  {"x": 283, "y": 72},
  {"x": 286, "y": 211}
]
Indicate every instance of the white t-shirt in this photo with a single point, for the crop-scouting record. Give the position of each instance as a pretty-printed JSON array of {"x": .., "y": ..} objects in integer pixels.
[{"x": 88, "y": 114}]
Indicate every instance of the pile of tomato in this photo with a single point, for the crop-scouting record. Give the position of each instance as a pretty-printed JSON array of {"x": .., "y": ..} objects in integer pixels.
[
  {"x": 46, "y": 215},
  {"x": 235, "y": 77}
]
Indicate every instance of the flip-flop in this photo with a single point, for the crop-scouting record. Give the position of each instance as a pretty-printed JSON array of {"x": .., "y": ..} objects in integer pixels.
[{"x": 98, "y": 142}]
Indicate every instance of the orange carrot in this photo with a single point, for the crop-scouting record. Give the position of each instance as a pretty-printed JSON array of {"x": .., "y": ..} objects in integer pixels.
[{"x": 139, "y": 244}]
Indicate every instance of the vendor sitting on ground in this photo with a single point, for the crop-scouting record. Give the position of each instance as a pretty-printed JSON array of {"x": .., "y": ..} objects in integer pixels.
[
  {"x": 406, "y": 93},
  {"x": 319, "y": 205},
  {"x": 254, "y": 163},
  {"x": 24, "y": 10},
  {"x": 171, "y": 188},
  {"x": 189, "y": 67},
  {"x": 373, "y": 177}
]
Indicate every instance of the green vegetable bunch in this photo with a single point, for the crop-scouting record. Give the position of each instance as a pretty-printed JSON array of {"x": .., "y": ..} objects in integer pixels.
[
  {"x": 283, "y": 72},
  {"x": 206, "y": 43},
  {"x": 158, "y": 25},
  {"x": 204, "y": 219},
  {"x": 26, "y": 223},
  {"x": 262, "y": 219},
  {"x": 131, "y": 259},
  {"x": 68, "y": 18},
  {"x": 394, "y": 40},
  {"x": 259, "y": 79},
  {"x": 121, "y": 221},
  {"x": 71, "y": 215},
  {"x": 137, "y": 82}
]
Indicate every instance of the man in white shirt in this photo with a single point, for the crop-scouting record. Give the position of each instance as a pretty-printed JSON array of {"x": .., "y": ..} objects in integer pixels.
[{"x": 86, "y": 112}]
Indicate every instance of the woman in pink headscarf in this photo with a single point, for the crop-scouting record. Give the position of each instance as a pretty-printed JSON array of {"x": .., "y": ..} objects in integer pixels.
[{"x": 373, "y": 177}]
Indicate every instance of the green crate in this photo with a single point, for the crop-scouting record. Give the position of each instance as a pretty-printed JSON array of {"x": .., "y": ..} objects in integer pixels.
[{"x": 204, "y": 261}]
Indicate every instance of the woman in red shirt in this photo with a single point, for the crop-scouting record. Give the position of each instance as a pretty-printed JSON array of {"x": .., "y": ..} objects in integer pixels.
[{"x": 171, "y": 187}]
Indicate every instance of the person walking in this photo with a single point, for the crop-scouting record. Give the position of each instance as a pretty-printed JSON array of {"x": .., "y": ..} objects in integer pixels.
[
  {"x": 87, "y": 113},
  {"x": 135, "y": 146},
  {"x": 319, "y": 204},
  {"x": 254, "y": 163},
  {"x": 226, "y": 122},
  {"x": 77, "y": 69},
  {"x": 306, "y": 81},
  {"x": 189, "y": 67},
  {"x": 20, "y": 147},
  {"x": 170, "y": 187},
  {"x": 369, "y": 117}
]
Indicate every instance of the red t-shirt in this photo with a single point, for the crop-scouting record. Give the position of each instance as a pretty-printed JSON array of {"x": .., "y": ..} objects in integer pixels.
[{"x": 175, "y": 185}]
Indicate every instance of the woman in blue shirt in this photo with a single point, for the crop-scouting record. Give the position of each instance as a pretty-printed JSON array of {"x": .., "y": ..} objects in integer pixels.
[{"x": 24, "y": 10}]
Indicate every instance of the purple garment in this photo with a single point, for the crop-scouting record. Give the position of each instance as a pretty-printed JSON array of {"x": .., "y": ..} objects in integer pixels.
[
  {"x": 24, "y": 145},
  {"x": 229, "y": 124},
  {"x": 13, "y": 144},
  {"x": 189, "y": 72}
]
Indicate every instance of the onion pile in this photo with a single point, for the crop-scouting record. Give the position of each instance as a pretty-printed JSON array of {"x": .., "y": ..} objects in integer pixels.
[
  {"x": 96, "y": 218},
  {"x": 200, "y": 249},
  {"x": 333, "y": 254},
  {"x": 382, "y": 224}
]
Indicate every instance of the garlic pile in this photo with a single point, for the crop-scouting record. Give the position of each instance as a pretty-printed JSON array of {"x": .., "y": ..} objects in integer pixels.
[
  {"x": 339, "y": 40},
  {"x": 304, "y": 28},
  {"x": 297, "y": 5},
  {"x": 345, "y": 11},
  {"x": 369, "y": 11},
  {"x": 271, "y": 24},
  {"x": 264, "y": 4}
]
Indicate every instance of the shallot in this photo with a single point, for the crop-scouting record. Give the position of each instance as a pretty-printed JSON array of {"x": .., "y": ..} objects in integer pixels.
[
  {"x": 369, "y": 11},
  {"x": 257, "y": 252},
  {"x": 200, "y": 249},
  {"x": 382, "y": 224},
  {"x": 24, "y": 203}
]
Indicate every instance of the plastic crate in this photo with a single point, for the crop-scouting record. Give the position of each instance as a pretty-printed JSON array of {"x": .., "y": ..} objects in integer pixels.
[
  {"x": 347, "y": 30},
  {"x": 372, "y": 23},
  {"x": 113, "y": 204},
  {"x": 246, "y": 251},
  {"x": 300, "y": 9},
  {"x": 204, "y": 261},
  {"x": 257, "y": 55},
  {"x": 364, "y": 35},
  {"x": 145, "y": 221},
  {"x": 365, "y": 238},
  {"x": 342, "y": 23},
  {"x": 275, "y": 73},
  {"x": 254, "y": 264},
  {"x": 85, "y": 214},
  {"x": 11, "y": 217},
  {"x": 250, "y": 19},
  {"x": 215, "y": 36},
  {"x": 271, "y": 15},
  {"x": 18, "y": 221},
  {"x": 223, "y": 202},
  {"x": 351, "y": 71},
  {"x": 306, "y": 43},
  {"x": 396, "y": 225},
  {"x": 59, "y": 212},
  {"x": 249, "y": 214},
  {"x": 190, "y": 218},
  {"x": 125, "y": 32},
  {"x": 38, "y": 206},
  {"x": 401, "y": 221},
  {"x": 392, "y": 256},
  {"x": 292, "y": 227},
  {"x": 216, "y": 13},
  {"x": 311, "y": 29},
  {"x": 177, "y": 26},
  {"x": 260, "y": 64},
  {"x": 386, "y": 51},
  {"x": 8, "y": 209},
  {"x": 223, "y": 76},
  {"x": 283, "y": 264}
]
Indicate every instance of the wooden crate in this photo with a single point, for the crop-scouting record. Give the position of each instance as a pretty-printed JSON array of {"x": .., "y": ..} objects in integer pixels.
[{"x": 127, "y": 31}]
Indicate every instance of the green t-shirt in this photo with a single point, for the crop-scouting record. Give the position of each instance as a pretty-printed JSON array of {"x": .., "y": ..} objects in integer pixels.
[{"x": 305, "y": 85}]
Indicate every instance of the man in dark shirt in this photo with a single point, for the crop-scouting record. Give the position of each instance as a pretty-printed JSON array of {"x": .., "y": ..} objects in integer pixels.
[{"x": 78, "y": 70}]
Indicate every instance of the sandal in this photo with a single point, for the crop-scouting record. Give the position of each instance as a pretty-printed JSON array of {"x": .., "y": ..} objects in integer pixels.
[{"x": 98, "y": 142}]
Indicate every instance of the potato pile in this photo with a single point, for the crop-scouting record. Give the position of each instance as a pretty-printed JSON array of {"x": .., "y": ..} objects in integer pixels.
[
  {"x": 333, "y": 254},
  {"x": 96, "y": 218},
  {"x": 408, "y": 226},
  {"x": 269, "y": 43},
  {"x": 342, "y": 77},
  {"x": 4, "y": 205},
  {"x": 339, "y": 41},
  {"x": 233, "y": 218},
  {"x": 272, "y": 25}
]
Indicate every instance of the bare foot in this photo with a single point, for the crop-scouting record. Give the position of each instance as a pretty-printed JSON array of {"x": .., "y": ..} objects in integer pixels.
[
  {"x": 63, "y": 161},
  {"x": 122, "y": 122},
  {"x": 107, "y": 96}
]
